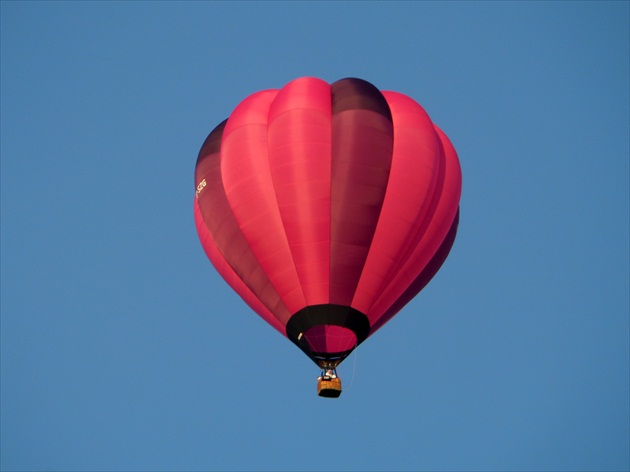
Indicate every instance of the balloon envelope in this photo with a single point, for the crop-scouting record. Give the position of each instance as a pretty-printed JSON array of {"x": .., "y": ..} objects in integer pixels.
[{"x": 327, "y": 208}]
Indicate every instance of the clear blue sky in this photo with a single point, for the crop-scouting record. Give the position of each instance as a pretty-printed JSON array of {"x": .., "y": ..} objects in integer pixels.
[{"x": 122, "y": 349}]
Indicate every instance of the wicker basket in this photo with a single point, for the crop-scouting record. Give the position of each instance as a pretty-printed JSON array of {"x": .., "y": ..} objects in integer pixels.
[{"x": 329, "y": 387}]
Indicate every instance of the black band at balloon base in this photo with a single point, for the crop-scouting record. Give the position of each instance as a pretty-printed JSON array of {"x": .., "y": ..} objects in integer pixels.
[{"x": 336, "y": 315}]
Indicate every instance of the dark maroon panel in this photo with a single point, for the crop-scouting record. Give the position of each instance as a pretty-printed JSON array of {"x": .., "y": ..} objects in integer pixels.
[
  {"x": 225, "y": 270},
  {"x": 209, "y": 151},
  {"x": 223, "y": 227},
  {"x": 362, "y": 144},
  {"x": 358, "y": 94}
]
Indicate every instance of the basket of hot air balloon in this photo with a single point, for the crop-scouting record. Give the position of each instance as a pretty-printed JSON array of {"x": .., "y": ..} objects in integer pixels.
[
  {"x": 328, "y": 384},
  {"x": 327, "y": 208}
]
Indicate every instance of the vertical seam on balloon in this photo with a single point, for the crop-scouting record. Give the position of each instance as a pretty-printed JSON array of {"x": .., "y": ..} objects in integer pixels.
[
  {"x": 421, "y": 231},
  {"x": 330, "y": 195},
  {"x": 414, "y": 236},
  {"x": 380, "y": 213},
  {"x": 423, "y": 278},
  {"x": 209, "y": 236},
  {"x": 275, "y": 192},
  {"x": 221, "y": 249}
]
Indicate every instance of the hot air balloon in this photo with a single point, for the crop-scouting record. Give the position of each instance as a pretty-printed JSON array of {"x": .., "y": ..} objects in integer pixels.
[{"x": 327, "y": 208}]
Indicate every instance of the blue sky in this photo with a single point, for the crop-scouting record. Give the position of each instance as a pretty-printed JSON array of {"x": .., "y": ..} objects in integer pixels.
[{"x": 122, "y": 349}]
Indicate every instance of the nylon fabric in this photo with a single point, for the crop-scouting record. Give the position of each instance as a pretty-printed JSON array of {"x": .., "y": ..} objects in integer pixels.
[
  {"x": 276, "y": 316},
  {"x": 423, "y": 279},
  {"x": 250, "y": 192},
  {"x": 435, "y": 228},
  {"x": 226, "y": 242},
  {"x": 362, "y": 143},
  {"x": 327, "y": 208},
  {"x": 416, "y": 164},
  {"x": 299, "y": 142},
  {"x": 324, "y": 339}
]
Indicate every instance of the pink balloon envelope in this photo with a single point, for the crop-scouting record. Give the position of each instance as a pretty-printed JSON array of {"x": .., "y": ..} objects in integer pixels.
[{"x": 327, "y": 208}]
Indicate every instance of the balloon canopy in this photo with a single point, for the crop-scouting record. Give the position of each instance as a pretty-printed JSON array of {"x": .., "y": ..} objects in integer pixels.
[{"x": 327, "y": 208}]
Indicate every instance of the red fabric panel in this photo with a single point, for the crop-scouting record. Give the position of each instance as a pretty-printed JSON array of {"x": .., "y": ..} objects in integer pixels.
[
  {"x": 446, "y": 205},
  {"x": 250, "y": 192},
  {"x": 423, "y": 279},
  {"x": 417, "y": 158},
  {"x": 330, "y": 339},
  {"x": 225, "y": 235},
  {"x": 299, "y": 136},
  {"x": 232, "y": 278},
  {"x": 362, "y": 142}
]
